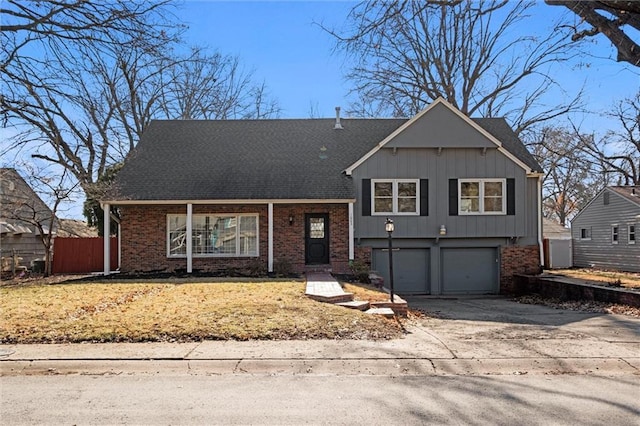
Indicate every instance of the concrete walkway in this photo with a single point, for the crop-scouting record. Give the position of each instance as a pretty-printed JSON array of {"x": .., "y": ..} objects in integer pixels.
[
  {"x": 463, "y": 336},
  {"x": 323, "y": 286}
]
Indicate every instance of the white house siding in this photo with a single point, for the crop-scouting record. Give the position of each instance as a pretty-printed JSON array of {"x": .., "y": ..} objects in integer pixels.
[{"x": 599, "y": 219}]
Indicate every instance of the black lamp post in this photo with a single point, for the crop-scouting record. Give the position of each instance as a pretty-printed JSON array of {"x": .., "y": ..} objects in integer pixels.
[{"x": 388, "y": 226}]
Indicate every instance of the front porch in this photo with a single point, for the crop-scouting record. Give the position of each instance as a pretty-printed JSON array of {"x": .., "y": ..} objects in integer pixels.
[{"x": 291, "y": 235}]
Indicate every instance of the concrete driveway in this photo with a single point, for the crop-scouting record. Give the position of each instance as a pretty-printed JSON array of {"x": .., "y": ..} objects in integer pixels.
[
  {"x": 499, "y": 331},
  {"x": 461, "y": 336}
]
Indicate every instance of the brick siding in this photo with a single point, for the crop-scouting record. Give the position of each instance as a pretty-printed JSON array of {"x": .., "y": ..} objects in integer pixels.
[
  {"x": 517, "y": 260},
  {"x": 144, "y": 237}
]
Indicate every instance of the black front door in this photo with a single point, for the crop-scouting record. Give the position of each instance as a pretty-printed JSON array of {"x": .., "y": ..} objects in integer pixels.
[{"x": 316, "y": 238}]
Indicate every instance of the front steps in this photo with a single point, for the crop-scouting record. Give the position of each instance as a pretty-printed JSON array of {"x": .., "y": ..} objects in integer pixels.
[{"x": 321, "y": 286}]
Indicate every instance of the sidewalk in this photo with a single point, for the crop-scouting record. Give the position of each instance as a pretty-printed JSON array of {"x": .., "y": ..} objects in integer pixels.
[{"x": 479, "y": 336}]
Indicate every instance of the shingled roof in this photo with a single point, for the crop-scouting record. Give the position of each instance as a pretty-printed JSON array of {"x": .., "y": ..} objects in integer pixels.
[
  {"x": 284, "y": 159},
  {"x": 630, "y": 192}
]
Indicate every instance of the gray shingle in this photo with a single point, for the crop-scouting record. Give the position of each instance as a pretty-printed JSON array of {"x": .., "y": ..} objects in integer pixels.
[{"x": 260, "y": 159}]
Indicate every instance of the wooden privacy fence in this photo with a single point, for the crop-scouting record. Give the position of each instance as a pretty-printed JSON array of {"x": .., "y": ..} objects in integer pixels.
[{"x": 82, "y": 255}]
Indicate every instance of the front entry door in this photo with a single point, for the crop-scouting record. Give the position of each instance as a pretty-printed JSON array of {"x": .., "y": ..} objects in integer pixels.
[{"x": 317, "y": 238}]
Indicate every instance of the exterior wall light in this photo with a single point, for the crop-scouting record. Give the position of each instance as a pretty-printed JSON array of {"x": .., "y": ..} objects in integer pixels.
[
  {"x": 290, "y": 219},
  {"x": 443, "y": 230}
]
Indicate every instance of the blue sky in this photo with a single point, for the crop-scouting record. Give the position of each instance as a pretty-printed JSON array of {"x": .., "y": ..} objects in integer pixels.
[{"x": 279, "y": 41}]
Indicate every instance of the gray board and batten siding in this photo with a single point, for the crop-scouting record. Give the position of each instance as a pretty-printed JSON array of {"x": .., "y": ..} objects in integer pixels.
[
  {"x": 438, "y": 149},
  {"x": 592, "y": 233}
]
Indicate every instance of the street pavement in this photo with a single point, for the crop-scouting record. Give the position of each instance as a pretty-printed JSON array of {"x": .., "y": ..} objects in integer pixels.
[{"x": 459, "y": 336}]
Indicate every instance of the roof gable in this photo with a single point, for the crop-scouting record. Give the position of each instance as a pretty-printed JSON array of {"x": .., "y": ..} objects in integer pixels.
[
  {"x": 624, "y": 192},
  {"x": 441, "y": 125}
]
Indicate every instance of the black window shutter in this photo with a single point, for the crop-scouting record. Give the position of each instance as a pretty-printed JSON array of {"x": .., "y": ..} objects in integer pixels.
[
  {"x": 453, "y": 197},
  {"x": 366, "y": 197},
  {"x": 424, "y": 197},
  {"x": 511, "y": 197}
]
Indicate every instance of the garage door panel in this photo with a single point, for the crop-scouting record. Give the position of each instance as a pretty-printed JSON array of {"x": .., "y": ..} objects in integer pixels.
[
  {"x": 410, "y": 269},
  {"x": 469, "y": 271}
]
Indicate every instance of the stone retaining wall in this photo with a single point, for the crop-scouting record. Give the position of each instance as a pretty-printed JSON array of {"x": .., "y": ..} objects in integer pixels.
[{"x": 557, "y": 288}]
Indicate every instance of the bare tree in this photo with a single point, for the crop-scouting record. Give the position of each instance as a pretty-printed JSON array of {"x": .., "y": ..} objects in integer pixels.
[
  {"x": 608, "y": 18},
  {"x": 569, "y": 181},
  {"x": 83, "y": 100},
  {"x": 211, "y": 87},
  {"x": 408, "y": 53},
  {"x": 617, "y": 153}
]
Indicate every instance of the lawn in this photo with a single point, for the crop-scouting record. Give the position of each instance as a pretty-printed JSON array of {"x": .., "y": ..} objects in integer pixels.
[{"x": 191, "y": 311}]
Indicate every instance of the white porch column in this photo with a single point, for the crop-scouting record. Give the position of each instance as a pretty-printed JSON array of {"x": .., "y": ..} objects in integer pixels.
[
  {"x": 106, "y": 210},
  {"x": 270, "y": 249},
  {"x": 189, "y": 238},
  {"x": 351, "y": 233}
]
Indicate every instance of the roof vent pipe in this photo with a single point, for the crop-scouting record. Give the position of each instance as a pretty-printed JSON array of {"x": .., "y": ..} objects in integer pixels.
[{"x": 338, "y": 125}]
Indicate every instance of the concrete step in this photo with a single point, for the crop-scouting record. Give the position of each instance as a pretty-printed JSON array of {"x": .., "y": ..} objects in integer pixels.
[
  {"x": 387, "y": 312},
  {"x": 399, "y": 306},
  {"x": 311, "y": 269},
  {"x": 355, "y": 304},
  {"x": 332, "y": 298}
]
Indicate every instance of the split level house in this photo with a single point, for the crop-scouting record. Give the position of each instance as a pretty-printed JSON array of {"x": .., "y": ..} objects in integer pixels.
[
  {"x": 464, "y": 195},
  {"x": 606, "y": 230}
]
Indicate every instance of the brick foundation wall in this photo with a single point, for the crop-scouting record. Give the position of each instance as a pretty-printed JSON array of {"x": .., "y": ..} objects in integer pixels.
[
  {"x": 144, "y": 237},
  {"x": 363, "y": 254},
  {"x": 517, "y": 260}
]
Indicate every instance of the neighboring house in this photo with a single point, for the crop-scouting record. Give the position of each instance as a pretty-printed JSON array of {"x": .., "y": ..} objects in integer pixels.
[
  {"x": 605, "y": 231},
  {"x": 557, "y": 245},
  {"x": 20, "y": 208},
  {"x": 209, "y": 195}
]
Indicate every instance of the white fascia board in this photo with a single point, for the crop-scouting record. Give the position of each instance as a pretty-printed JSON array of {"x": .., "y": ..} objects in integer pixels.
[
  {"x": 225, "y": 202},
  {"x": 349, "y": 170}
]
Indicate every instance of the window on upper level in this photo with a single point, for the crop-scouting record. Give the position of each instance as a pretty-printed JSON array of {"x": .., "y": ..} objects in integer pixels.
[
  {"x": 482, "y": 196},
  {"x": 395, "y": 196}
]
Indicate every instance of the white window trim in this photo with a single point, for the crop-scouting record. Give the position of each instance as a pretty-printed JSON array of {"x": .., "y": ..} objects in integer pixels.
[
  {"x": 394, "y": 183},
  {"x": 635, "y": 233},
  {"x": 481, "y": 211},
  {"x": 613, "y": 227},
  {"x": 585, "y": 238},
  {"x": 214, "y": 255}
]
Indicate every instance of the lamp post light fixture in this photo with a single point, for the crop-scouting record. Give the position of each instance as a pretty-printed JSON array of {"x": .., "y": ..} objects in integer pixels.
[{"x": 388, "y": 226}]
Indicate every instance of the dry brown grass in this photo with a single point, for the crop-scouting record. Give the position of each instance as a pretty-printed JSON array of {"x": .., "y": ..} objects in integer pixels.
[
  {"x": 109, "y": 312},
  {"x": 625, "y": 279}
]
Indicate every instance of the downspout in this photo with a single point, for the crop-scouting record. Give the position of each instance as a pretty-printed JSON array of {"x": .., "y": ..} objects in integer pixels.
[{"x": 540, "y": 244}]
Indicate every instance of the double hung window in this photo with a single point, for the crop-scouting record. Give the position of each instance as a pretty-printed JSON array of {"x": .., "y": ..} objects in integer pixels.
[
  {"x": 482, "y": 196},
  {"x": 395, "y": 196}
]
